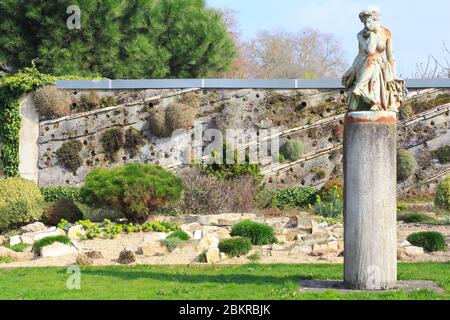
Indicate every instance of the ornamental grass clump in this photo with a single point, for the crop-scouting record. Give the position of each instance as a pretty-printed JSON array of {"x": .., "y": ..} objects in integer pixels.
[
  {"x": 233, "y": 247},
  {"x": 180, "y": 234},
  {"x": 258, "y": 233},
  {"x": 137, "y": 190},
  {"x": 442, "y": 197},
  {"x": 406, "y": 165},
  {"x": 38, "y": 245},
  {"x": 429, "y": 241},
  {"x": 69, "y": 155}
]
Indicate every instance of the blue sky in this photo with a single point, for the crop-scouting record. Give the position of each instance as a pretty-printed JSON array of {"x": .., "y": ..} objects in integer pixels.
[{"x": 419, "y": 26}]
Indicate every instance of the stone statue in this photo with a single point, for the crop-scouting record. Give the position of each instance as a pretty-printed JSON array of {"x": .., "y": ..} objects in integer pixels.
[{"x": 371, "y": 80}]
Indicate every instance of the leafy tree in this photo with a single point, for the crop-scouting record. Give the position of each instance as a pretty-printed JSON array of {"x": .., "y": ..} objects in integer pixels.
[{"x": 117, "y": 38}]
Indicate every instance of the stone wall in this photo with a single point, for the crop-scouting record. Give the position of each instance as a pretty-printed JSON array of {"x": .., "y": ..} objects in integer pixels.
[{"x": 313, "y": 116}]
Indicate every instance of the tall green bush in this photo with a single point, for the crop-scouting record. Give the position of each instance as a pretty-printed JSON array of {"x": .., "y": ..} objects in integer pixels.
[
  {"x": 258, "y": 233},
  {"x": 52, "y": 194},
  {"x": 406, "y": 165},
  {"x": 235, "y": 246},
  {"x": 135, "y": 189},
  {"x": 442, "y": 197},
  {"x": 295, "y": 197},
  {"x": 430, "y": 241},
  {"x": 21, "y": 202},
  {"x": 292, "y": 150}
]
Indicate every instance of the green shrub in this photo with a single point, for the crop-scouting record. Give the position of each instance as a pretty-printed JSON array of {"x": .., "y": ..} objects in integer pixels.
[
  {"x": 133, "y": 140},
  {"x": 135, "y": 189},
  {"x": 180, "y": 234},
  {"x": 38, "y": 245},
  {"x": 295, "y": 197},
  {"x": 6, "y": 259},
  {"x": 20, "y": 247},
  {"x": 180, "y": 116},
  {"x": 337, "y": 182},
  {"x": 319, "y": 172},
  {"x": 406, "y": 165},
  {"x": 443, "y": 154},
  {"x": 332, "y": 208},
  {"x": 430, "y": 241},
  {"x": 406, "y": 112},
  {"x": 108, "y": 101},
  {"x": 69, "y": 155},
  {"x": 414, "y": 217},
  {"x": 255, "y": 257},
  {"x": 292, "y": 150},
  {"x": 258, "y": 233},
  {"x": 21, "y": 202},
  {"x": 63, "y": 209},
  {"x": 442, "y": 198},
  {"x": 88, "y": 102},
  {"x": 52, "y": 194},
  {"x": 112, "y": 141},
  {"x": 52, "y": 103},
  {"x": 235, "y": 246},
  {"x": 157, "y": 123},
  {"x": 171, "y": 243}
]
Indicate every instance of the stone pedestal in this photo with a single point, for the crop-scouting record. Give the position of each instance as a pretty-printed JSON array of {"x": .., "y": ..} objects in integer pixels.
[{"x": 370, "y": 181}]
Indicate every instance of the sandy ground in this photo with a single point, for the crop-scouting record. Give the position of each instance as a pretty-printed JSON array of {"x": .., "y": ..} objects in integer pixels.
[{"x": 185, "y": 254}]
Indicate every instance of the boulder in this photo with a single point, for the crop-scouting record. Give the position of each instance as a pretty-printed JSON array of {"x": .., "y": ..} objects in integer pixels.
[
  {"x": 49, "y": 233},
  {"x": 84, "y": 260},
  {"x": 33, "y": 227},
  {"x": 191, "y": 227},
  {"x": 222, "y": 233},
  {"x": 75, "y": 232},
  {"x": 26, "y": 240},
  {"x": 318, "y": 237},
  {"x": 413, "y": 251},
  {"x": 155, "y": 236},
  {"x": 6, "y": 252},
  {"x": 2, "y": 240},
  {"x": 14, "y": 240},
  {"x": 281, "y": 238},
  {"x": 150, "y": 247},
  {"x": 300, "y": 250},
  {"x": 210, "y": 229},
  {"x": 198, "y": 234},
  {"x": 94, "y": 254},
  {"x": 338, "y": 233},
  {"x": 127, "y": 256},
  {"x": 402, "y": 256},
  {"x": 333, "y": 246},
  {"x": 207, "y": 242},
  {"x": 404, "y": 243},
  {"x": 213, "y": 255},
  {"x": 57, "y": 249},
  {"x": 317, "y": 228}
]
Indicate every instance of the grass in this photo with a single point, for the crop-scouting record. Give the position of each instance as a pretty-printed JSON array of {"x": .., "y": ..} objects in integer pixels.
[
  {"x": 251, "y": 281},
  {"x": 20, "y": 247},
  {"x": 38, "y": 245}
]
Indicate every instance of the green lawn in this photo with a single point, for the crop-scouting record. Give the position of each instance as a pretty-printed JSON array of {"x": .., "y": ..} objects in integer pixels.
[{"x": 253, "y": 281}]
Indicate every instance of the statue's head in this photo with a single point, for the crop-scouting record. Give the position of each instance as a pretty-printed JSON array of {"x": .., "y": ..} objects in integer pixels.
[{"x": 370, "y": 17}]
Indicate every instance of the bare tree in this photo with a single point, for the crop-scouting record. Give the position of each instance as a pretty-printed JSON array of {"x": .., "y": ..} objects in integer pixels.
[{"x": 434, "y": 68}]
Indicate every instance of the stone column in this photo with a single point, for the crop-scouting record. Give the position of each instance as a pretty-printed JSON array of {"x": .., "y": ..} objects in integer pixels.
[{"x": 370, "y": 200}]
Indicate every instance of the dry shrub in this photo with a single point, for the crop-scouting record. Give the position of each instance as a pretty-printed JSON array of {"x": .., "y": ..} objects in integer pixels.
[
  {"x": 180, "y": 116},
  {"x": 157, "y": 123},
  {"x": 190, "y": 99},
  {"x": 231, "y": 117},
  {"x": 88, "y": 102},
  {"x": 52, "y": 103},
  {"x": 208, "y": 194}
]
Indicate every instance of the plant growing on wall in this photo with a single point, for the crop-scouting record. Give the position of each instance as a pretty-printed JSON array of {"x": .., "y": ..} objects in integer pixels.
[
  {"x": 69, "y": 155},
  {"x": 112, "y": 141},
  {"x": 133, "y": 140}
]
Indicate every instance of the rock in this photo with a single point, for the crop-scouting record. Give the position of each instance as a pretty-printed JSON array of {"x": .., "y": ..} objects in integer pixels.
[
  {"x": 318, "y": 237},
  {"x": 127, "y": 256},
  {"x": 84, "y": 260},
  {"x": 279, "y": 253},
  {"x": 222, "y": 233},
  {"x": 404, "y": 243},
  {"x": 413, "y": 251},
  {"x": 94, "y": 254},
  {"x": 332, "y": 238},
  {"x": 300, "y": 250},
  {"x": 2, "y": 240},
  {"x": 402, "y": 256},
  {"x": 210, "y": 229},
  {"x": 281, "y": 238},
  {"x": 207, "y": 220},
  {"x": 333, "y": 245},
  {"x": 207, "y": 242},
  {"x": 155, "y": 236},
  {"x": 75, "y": 232},
  {"x": 223, "y": 256},
  {"x": 49, "y": 233},
  {"x": 57, "y": 249},
  {"x": 14, "y": 240},
  {"x": 198, "y": 234},
  {"x": 339, "y": 233},
  {"x": 323, "y": 224},
  {"x": 316, "y": 249},
  {"x": 317, "y": 228},
  {"x": 33, "y": 227},
  {"x": 213, "y": 255},
  {"x": 6, "y": 252},
  {"x": 150, "y": 247},
  {"x": 276, "y": 247},
  {"x": 26, "y": 240},
  {"x": 304, "y": 224},
  {"x": 191, "y": 227}
]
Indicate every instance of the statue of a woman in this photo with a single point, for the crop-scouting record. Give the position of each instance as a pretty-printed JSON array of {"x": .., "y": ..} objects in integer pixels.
[{"x": 371, "y": 80}]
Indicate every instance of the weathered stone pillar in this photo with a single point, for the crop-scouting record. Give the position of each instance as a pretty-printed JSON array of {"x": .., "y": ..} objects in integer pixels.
[{"x": 370, "y": 181}]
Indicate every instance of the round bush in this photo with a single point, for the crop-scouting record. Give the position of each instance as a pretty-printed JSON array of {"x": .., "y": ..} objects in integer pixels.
[
  {"x": 137, "y": 190},
  {"x": 443, "y": 154},
  {"x": 296, "y": 197},
  {"x": 21, "y": 202},
  {"x": 88, "y": 102},
  {"x": 292, "y": 150},
  {"x": 235, "y": 246},
  {"x": 69, "y": 155},
  {"x": 334, "y": 182},
  {"x": 63, "y": 209},
  {"x": 52, "y": 103},
  {"x": 180, "y": 234},
  {"x": 112, "y": 141},
  {"x": 52, "y": 194},
  {"x": 406, "y": 165},
  {"x": 429, "y": 241},
  {"x": 258, "y": 233},
  {"x": 442, "y": 197},
  {"x": 180, "y": 116},
  {"x": 157, "y": 123}
]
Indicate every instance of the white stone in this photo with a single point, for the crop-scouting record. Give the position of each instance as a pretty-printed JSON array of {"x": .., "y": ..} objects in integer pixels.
[
  {"x": 207, "y": 242},
  {"x": 332, "y": 238},
  {"x": 150, "y": 247},
  {"x": 191, "y": 227},
  {"x": 155, "y": 236},
  {"x": 413, "y": 251},
  {"x": 316, "y": 228},
  {"x": 75, "y": 232},
  {"x": 302, "y": 250},
  {"x": 198, "y": 234},
  {"x": 210, "y": 229},
  {"x": 405, "y": 243},
  {"x": 213, "y": 255},
  {"x": 48, "y": 233},
  {"x": 26, "y": 240},
  {"x": 333, "y": 245},
  {"x": 14, "y": 240},
  {"x": 33, "y": 227},
  {"x": 57, "y": 249},
  {"x": 281, "y": 238}
]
